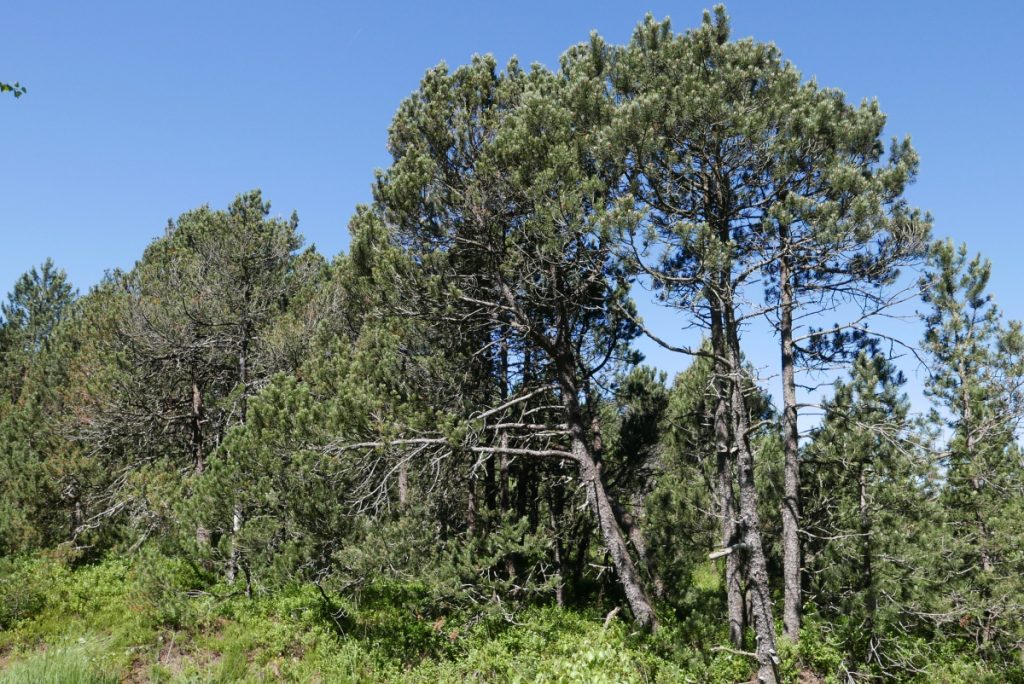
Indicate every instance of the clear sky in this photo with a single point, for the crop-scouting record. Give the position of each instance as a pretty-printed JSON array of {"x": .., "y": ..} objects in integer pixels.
[{"x": 139, "y": 111}]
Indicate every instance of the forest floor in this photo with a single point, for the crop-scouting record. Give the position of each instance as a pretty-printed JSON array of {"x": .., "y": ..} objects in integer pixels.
[{"x": 152, "y": 619}]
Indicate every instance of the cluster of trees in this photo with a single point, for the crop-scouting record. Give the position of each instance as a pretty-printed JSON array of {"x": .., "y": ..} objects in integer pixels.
[{"x": 458, "y": 401}]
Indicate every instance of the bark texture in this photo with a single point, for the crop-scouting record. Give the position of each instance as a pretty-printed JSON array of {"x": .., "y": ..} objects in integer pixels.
[
  {"x": 604, "y": 512},
  {"x": 791, "y": 560},
  {"x": 750, "y": 522},
  {"x": 727, "y": 516}
]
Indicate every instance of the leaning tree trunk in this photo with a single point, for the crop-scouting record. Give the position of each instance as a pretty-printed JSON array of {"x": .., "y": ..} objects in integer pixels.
[
  {"x": 611, "y": 533},
  {"x": 626, "y": 520},
  {"x": 630, "y": 522},
  {"x": 635, "y": 536},
  {"x": 790, "y": 447},
  {"x": 601, "y": 506}
]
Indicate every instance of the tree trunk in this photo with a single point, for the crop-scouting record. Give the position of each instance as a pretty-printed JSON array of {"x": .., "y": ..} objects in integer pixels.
[
  {"x": 77, "y": 514},
  {"x": 236, "y": 527},
  {"x": 243, "y": 380},
  {"x": 791, "y": 451},
  {"x": 504, "y": 505},
  {"x": 533, "y": 499},
  {"x": 614, "y": 541},
  {"x": 981, "y": 528},
  {"x": 601, "y": 506},
  {"x": 582, "y": 552},
  {"x": 627, "y": 521},
  {"x": 727, "y": 514},
  {"x": 471, "y": 512},
  {"x": 639, "y": 542},
  {"x": 750, "y": 522},
  {"x": 557, "y": 507},
  {"x": 735, "y": 604},
  {"x": 633, "y": 533},
  {"x": 504, "y": 501},
  {"x": 403, "y": 484},
  {"x": 196, "y": 446},
  {"x": 867, "y": 574},
  {"x": 522, "y": 504},
  {"x": 497, "y": 464}
]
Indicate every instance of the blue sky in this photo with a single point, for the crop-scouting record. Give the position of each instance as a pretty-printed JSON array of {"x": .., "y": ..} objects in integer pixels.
[{"x": 139, "y": 111}]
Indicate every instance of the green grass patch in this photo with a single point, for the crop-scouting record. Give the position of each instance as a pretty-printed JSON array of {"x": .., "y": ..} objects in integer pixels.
[{"x": 158, "y": 619}]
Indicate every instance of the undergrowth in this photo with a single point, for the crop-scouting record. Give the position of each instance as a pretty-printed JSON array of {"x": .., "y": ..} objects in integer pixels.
[{"x": 159, "y": 619}]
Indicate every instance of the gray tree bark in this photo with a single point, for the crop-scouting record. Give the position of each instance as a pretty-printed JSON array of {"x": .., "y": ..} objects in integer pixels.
[
  {"x": 750, "y": 521},
  {"x": 727, "y": 514},
  {"x": 791, "y": 451},
  {"x": 735, "y": 612},
  {"x": 196, "y": 445},
  {"x": 603, "y": 511}
]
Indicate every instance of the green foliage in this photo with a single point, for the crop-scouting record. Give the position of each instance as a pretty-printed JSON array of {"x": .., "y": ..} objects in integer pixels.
[
  {"x": 58, "y": 665},
  {"x": 869, "y": 508},
  {"x": 436, "y": 458},
  {"x": 37, "y": 487},
  {"x": 805, "y": 172},
  {"x": 25, "y": 587},
  {"x": 159, "y": 588},
  {"x": 105, "y": 622},
  {"x": 40, "y": 300},
  {"x": 173, "y": 348},
  {"x": 818, "y": 654},
  {"x": 978, "y": 387}
]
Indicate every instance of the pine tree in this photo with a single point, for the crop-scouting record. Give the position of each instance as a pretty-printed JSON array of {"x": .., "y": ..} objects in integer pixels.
[
  {"x": 38, "y": 495},
  {"x": 977, "y": 386},
  {"x": 692, "y": 193},
  {"x": 41, "y": 298},
  {"x": 176, "y": 349},
  {"x": 695, "y": 490},
  {"x": 495, "y": 192},
  {"x": 724, "y": 136},
  {"x": 870, "y": 514}
]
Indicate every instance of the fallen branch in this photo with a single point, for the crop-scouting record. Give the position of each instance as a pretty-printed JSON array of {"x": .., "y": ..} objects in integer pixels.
[{"x": 734, "y": 651}]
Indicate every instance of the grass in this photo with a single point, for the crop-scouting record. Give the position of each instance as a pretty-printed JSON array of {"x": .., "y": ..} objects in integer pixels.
[
  {"x": 157, "y": 619},
  {"x": 58, "y": 665},
  {"x": 154, "y": 619}
]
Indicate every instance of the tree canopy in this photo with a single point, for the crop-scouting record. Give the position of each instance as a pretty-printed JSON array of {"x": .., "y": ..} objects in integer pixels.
[{"x": 453, "y": 417}]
